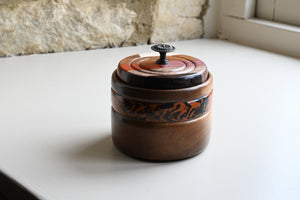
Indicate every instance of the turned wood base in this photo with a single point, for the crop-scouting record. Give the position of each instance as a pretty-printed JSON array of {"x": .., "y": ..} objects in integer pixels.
[{"x": 160, "y": 141}]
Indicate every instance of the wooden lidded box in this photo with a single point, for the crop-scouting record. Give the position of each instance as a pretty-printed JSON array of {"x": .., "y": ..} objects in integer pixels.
[{"x": 161, "y": 105}]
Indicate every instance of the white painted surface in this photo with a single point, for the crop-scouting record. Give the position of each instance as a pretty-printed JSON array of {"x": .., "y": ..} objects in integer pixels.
[
  {"x": 239, "y": 8},
  {"x": 283, "y": 11},
  {"x": 287, "y": 11},
  {"x": 55, "y": 128},
  {"x": 239, "y": 25},
  {"x": 265, "y": 9},
  {"x": 212, "y": 19},
  {"x": 263, "y": 34}
]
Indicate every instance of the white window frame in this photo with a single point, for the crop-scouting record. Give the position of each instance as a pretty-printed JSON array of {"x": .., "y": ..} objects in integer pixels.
[
  {"x": 238, "y": 24},
  {"x": 282, "y": 11}
]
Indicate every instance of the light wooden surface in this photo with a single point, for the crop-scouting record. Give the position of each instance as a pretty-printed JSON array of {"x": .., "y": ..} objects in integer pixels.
[{"x": 55, "y": 128}]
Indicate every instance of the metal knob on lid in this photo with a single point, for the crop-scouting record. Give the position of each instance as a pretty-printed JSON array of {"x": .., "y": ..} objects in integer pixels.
[{"x": 163, "y": 49}]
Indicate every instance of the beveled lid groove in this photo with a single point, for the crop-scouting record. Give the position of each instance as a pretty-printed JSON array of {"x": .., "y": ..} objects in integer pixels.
[{"x": 172, "y": 72}]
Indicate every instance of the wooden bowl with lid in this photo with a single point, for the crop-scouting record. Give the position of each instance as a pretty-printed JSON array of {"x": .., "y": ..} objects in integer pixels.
[{"x": 161, "y": 105}]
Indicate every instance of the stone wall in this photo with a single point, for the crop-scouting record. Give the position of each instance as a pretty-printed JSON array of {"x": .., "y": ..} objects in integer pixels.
[{"x": 44, "y": 26}]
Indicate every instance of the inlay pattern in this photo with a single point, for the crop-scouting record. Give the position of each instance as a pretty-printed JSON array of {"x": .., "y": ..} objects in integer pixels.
[{"x": 162, "y": 112}]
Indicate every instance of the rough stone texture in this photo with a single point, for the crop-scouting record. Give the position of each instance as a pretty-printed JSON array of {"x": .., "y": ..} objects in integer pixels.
[
  {"x": 62, "y": 25},
  {"x": 143, "y": 21},
  {"x": 42, "y": 26},
  {"x": 177, "y": 20}
]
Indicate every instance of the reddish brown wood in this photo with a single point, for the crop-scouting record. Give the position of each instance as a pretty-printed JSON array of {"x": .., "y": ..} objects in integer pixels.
[
  {"x": 161, "y": 124},
  {"x": 182, "y": 71},
  {"x": 160, "y": 141}
]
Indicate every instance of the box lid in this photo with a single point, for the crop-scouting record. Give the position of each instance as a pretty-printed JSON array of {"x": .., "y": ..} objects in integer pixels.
[{"x": 161, "y": 71}]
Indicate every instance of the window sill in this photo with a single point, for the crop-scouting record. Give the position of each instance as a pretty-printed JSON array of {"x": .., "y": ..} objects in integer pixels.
[{"x": 272, "y": 36}]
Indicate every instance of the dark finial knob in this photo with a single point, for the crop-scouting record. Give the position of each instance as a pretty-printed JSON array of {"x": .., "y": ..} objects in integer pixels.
[{"x": 163, "y": 49}]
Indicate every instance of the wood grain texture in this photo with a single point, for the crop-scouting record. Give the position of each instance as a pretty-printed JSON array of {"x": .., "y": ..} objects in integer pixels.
[
  {"x": 160, "y": 141},
  {"x": 161, "y": 125}
]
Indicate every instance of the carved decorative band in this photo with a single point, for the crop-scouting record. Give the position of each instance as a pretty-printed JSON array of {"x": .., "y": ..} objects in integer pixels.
[{"x": 162, "y": 112}]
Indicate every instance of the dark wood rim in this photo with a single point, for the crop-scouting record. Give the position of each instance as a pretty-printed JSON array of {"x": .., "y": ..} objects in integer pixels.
[{"x": 161, "y": 96}]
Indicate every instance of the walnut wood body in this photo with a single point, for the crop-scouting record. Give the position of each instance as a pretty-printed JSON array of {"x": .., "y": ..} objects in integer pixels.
[
  {"x": 160, "y": 141},
  {"x": 139, "y": 130}
]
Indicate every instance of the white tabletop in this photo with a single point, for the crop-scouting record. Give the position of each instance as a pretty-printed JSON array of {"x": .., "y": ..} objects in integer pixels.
[{"x": 55, "y": 128}]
